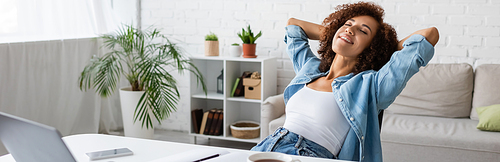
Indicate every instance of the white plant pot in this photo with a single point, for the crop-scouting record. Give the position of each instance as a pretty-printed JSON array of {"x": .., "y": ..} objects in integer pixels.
[
  {"x": 235, "y": 51},
  {"x": 129, "y": 100}
]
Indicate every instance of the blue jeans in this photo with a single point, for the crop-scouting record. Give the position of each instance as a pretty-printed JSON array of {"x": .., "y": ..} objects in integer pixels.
[{"x": 285, "y": 141}]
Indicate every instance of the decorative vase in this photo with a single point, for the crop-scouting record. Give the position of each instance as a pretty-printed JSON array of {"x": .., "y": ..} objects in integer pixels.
[
  {"x": 235, "y": 51},
  {"x": 211, "y": 48},
  {"x": 129, "y": 100},
  {"x": 249, "y": 50}
]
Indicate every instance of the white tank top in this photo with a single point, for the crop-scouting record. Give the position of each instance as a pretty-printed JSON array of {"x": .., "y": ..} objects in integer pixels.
[{"x": 316, "y": 116}]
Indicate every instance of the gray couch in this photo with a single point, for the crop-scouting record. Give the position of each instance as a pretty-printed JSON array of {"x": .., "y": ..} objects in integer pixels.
[{"x": 433, "y": 119}]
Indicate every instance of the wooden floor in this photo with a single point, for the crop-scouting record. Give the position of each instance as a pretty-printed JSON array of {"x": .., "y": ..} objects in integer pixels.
[{"x": 183, "y": 137}]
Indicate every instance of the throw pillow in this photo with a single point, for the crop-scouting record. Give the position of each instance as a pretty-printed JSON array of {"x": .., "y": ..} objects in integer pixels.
[
  {"x": 489, "y": 118},
  {"x": 443, "y": 90}
]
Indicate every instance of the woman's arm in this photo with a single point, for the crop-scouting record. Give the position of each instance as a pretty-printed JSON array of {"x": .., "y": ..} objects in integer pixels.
[
  {"x": 417, "y": 52},
  {"x": 431, "y": 34},
  {"x": 313, "y": 31},
  {"x": 297, "y": 37}
]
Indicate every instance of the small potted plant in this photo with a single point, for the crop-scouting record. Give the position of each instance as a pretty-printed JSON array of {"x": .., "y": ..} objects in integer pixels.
[
  {"x": 249, "y": 42},
  {"x": 235, "y": 50},
  {"x": 211, "y": 45}
]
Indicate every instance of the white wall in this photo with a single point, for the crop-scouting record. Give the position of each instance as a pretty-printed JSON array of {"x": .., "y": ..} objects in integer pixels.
[
  {"x": 125, "y": 11},
  {"x": 470, "y": 29}
]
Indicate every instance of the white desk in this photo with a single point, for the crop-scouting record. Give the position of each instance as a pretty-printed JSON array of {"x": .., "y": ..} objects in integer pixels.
[{"x": 144, "y": 150}]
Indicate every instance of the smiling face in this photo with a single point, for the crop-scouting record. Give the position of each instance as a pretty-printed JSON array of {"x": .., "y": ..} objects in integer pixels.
[{"x": 354, "y": 36}]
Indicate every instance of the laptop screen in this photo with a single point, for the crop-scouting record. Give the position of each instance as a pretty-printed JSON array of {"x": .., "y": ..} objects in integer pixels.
[{"x": 29, "y": 141}]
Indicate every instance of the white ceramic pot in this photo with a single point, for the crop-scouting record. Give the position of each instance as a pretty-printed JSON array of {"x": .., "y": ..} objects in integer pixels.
[
  {"x": 129, "y": 100},
  {"x": 235, "y": 51}
]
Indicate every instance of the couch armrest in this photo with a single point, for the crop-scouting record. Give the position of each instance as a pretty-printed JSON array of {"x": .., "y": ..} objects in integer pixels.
[{"x": 273, "y": 107}]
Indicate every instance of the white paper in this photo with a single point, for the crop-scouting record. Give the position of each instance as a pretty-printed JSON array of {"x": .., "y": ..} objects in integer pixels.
[{"x": 193, "y": 155}]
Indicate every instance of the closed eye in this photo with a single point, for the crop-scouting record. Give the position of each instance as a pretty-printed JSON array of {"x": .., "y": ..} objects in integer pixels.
[{"x": 363, "y": 32}]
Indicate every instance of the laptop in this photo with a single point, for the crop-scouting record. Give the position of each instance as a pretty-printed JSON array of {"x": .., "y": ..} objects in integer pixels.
[{"x": 29, "y": 141}]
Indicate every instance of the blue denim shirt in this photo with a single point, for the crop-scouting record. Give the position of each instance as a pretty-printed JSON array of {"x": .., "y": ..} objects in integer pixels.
[{"x": 362, "y": 96}]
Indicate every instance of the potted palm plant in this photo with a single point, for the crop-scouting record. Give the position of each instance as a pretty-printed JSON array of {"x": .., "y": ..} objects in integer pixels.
[
  {"x": 146, "y": 58},
  {"x": 211, "y": 45},
  {"x": 249, "y": 42}
]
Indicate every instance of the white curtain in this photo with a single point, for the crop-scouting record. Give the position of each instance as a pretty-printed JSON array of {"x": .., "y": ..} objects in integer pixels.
[
  {"x": 44, "y": 45},
  {"x": 39, "y": 82},
  {"x": 35, "y": 20}
]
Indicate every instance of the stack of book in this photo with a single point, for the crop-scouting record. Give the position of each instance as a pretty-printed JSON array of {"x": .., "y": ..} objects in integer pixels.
[
  {"x": 209, "y": 122},
  {"x": 238, "y": 88}
]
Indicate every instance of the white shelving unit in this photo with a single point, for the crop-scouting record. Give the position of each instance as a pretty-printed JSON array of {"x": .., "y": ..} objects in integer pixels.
[{"x": 235, "y": 108}]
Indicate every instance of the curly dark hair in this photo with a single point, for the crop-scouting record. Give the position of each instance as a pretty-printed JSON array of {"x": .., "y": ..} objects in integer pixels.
[{"x": 376, "y": 55}]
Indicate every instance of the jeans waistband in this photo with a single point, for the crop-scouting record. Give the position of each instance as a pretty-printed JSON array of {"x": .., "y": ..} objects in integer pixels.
[{"x": 301, "y": 141}]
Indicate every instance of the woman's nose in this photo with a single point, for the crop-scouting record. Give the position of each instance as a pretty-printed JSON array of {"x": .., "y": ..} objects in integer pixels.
[{"x": 349, "y": 31}]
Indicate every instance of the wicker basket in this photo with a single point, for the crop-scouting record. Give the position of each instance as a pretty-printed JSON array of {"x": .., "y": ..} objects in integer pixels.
[{"x": 245, "y": 129}]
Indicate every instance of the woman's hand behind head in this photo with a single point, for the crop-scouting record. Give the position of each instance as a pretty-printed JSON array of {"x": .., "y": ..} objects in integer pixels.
[
  {"x": 312, "y": 30},
  {"x": 431, "y": 35}
]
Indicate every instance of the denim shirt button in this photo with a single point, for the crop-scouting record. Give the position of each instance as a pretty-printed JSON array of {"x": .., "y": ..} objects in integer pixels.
[
  {"x": 362, "y": 137},
  {"x": 352, "y": 119},
  {"x": 335, "y": 87},
  {"x": 340, "y": 100}
]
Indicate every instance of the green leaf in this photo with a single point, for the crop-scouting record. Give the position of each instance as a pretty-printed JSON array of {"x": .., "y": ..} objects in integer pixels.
[
  {"x": 211, "y": 37},
  {"x": 258, "y": 35},
  {"x": 252, "y": 40},
  {"x": 249, "y": 31}
]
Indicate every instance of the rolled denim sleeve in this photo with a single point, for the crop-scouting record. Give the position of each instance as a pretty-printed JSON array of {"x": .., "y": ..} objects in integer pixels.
[
  {"x": 393, "y": 76},
  {"x": 297, "y": 47}
]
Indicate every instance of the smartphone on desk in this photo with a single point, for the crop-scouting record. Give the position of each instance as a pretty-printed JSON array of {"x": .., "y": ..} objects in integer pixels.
[{"x": 109, "y": 153}]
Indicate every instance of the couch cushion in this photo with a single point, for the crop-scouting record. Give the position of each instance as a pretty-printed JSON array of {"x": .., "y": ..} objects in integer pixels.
[
  {"x": 458, "y": 133},
  {"x": 489, "y": 118},
  {"x": 276, "y": 123},
  {"x": 272, "y": 108},
  {"x": 443, "y": 90},
  {"x": 486, "y": 87}
]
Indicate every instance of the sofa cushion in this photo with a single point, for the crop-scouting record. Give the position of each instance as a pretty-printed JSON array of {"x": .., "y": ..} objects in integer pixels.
[
  {"x": 443, "y": 90},
  {"x": 276, "y": 123},
  {"x": 486, "y": 87},
  {"x": 458, "y": 133},
  {"x": 272, "y": 108},
  {"x": 489, "y": 118}
]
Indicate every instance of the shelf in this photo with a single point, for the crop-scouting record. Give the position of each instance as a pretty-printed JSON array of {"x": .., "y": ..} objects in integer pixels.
[
  {"x": 207, "y": 136},
  {"x": 235, "y": 108},
  {"x": 243, "y": 99},
  {"x": 255, "y": 140},
  {"x": 210, "y": 95},
  {"x": 228, "y": 58}
]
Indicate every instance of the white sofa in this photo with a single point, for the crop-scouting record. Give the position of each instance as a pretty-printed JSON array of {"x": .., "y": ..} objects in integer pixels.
[{"x": 433, "y": 119}]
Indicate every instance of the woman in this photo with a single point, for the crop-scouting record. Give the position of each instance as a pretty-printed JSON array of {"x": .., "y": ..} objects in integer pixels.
[{"x": 333, "y": 102}]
